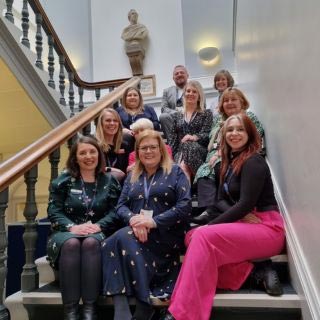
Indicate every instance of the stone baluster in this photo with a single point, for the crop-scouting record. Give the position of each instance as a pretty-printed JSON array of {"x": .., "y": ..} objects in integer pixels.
[
  {"x": 71, "y": 141},
  {"x": 30, "y": 274},
  {"x": 39, "y": 48},
  {"x": 54, "y": 159},
  {"x": 25, "y": 24},
  {"x": 116, "y": 104},
  {"x": 4, "y": 314},
  {"x": 9, "y": 14},
  {"x": 86, "y": 131},
  {"x": 51, "y": 62},
  {"x": 71, "y": 94},
  {"x": 81, "y": 104},
  {"x": 61, "y": 80},
  {"x": 98, "y": 94}
]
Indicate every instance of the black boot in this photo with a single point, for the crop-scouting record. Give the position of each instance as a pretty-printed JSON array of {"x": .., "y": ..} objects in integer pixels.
[
  {"x": 89, "y": 311},
  {"x": 266, "y": 276},
  {"x": 71, "y": 311}
]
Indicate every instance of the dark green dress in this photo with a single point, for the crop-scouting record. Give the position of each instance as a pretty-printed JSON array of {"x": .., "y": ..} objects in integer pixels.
[{"x": 67, "y": 207}]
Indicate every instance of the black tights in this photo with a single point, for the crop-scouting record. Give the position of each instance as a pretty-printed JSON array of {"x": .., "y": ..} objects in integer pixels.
[{"x": 80, "y": 270}]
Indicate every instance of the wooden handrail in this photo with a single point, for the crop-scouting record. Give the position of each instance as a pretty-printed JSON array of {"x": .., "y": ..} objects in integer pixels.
[
  {"x": 16, "y": 166},
  {"x": 48, "y": 28}
]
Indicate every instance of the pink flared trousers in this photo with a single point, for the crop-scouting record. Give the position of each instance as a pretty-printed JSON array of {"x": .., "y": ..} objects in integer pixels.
[{"x": 218, "y": 256}]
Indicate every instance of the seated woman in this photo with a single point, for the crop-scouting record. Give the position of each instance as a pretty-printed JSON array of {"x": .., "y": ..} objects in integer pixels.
[
  {"x": 81, "y": 211},
  {"x": 190, "y": 133},
  {"x": 138, "y": 127},
  {"x": 133, "y": 109},
  {"x": 115, "y": 149},
  {"x": 222, "y": 80},
  {"x": 250, "y": 227},
  {"x": 143, "y": 258},
  {"x": 232, "y": 102}
]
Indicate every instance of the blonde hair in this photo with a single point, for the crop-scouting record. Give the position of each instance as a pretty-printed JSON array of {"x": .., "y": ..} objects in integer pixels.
[
  {"x": 165, "y": 162},
  {"x": 142, "y": 124},
  {"x": 229, "y": 91},
  {"x": 117, "y": 139},
  {"x": 195, "y": 84}
]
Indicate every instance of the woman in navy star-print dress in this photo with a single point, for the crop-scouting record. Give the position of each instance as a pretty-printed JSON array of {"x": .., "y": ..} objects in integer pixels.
[{"x": 143, "y": 258}]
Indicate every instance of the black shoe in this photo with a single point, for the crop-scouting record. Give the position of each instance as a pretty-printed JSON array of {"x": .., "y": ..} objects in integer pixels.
[
  {"x": 89, "y": 311},
  {"x": 203, "y": 218},
  {"x": 71, "y": 311},
  {"x": 272, "y": 283},
  {"x": 167, "y": 316},
  {"x": 265, "y": 276}
]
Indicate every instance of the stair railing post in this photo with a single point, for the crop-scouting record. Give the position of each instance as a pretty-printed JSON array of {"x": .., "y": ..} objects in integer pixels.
[
  {"x": 25, "y": 24},
  {"x": 62, "y": 80},
  {"x": 71, "y": 94},
  {"x": 51, "y": 61},
  {"x": 9, "y": 14},
  {"x": 54, "y": 159},
  {"x": 30, "y": 275},
  {"x": 4, "y": 197},
  {"x": 39, "y": 48}
]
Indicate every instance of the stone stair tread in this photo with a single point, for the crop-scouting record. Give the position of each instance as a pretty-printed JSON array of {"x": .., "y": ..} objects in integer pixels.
[{"x": 49, "y": 294}]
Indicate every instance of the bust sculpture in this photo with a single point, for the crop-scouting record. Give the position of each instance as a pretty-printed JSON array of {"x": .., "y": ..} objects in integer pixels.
[
  {"x": 134, "y": 32},
  {"x": 133, "y": 35}
]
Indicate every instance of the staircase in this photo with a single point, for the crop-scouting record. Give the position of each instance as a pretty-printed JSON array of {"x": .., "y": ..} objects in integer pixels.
[
  {"x": 45, "y": 302},
  {"x": 244, "y": 304}
]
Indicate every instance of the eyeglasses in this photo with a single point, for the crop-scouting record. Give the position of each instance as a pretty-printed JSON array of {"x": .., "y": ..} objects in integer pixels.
[{"x": 152, "y": 148}]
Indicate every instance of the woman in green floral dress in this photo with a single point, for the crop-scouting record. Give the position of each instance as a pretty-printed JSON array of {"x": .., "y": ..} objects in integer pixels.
[{"x": 82, "y": 212}]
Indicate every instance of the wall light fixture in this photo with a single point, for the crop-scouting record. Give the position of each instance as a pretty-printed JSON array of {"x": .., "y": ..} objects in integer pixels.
[{"x": 207, "y": 54}]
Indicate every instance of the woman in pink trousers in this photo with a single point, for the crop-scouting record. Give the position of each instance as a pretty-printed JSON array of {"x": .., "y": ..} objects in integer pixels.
[{"x": 219, "y": 254}]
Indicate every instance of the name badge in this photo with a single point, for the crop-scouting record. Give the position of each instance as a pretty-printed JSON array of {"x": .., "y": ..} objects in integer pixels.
[
  {"x": 75, "y": 191},
  {"x": 147, "y": 213}
]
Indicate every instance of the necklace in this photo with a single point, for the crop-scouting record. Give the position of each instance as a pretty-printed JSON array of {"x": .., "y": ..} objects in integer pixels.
[{"x": 87, "y": 201}]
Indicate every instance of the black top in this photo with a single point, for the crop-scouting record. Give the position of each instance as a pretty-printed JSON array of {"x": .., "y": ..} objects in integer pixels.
[
  {"x": 118, "y": 160},
  {"x": 251, "y": 189}
]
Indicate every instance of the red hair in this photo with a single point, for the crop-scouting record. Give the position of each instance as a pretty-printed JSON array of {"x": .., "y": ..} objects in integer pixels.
[{"x": 252, "y": 146}]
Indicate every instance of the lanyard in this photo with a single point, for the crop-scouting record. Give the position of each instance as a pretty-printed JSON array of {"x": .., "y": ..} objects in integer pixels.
[
  {"x": 227, "y": 180},
  {"x": 147, "y": 189},
  {"x": 186, "y": 124},
  {"x": 86, "y": 199},
  {"x": 111, "y": 164}
]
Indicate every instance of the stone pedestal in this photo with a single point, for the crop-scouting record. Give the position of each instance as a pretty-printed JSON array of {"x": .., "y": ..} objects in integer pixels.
[{"x": 135, "y": 53}]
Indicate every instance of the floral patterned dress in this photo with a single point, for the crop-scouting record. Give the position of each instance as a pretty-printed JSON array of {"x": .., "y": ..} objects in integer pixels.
[
  {"x": 67, "y": 207},
  {"x": 193, "y": 153},
  {"x": 138, "y": 269}
]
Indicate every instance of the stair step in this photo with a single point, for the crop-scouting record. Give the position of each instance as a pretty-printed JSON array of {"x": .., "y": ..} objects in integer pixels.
[{"x": 50, "y": 295}]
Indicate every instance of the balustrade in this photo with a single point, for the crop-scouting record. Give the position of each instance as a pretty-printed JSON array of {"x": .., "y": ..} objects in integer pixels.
[
  {"x": 26, "y": 161},
  {"x": 3, "y": 246}
]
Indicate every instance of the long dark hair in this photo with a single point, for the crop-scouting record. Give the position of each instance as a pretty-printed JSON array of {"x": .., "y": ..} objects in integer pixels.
[
  {"x": 252, "y": 146},
  {"x": 72, "y": 164}
]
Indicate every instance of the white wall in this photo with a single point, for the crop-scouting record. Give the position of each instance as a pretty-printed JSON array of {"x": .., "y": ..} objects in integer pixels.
[
  {"x": 278, "y": 66},
  {"x": 177, "y": 30},
  {"x": 91, "y": 33},
  {"x": 165, "y": 45},
  {"x": 72, "y": 22}
]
